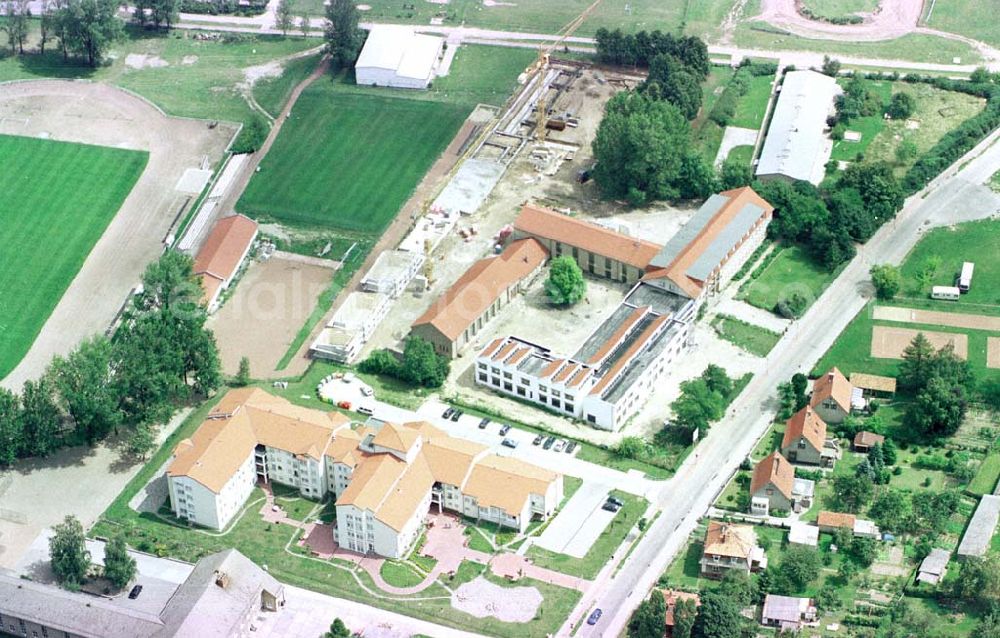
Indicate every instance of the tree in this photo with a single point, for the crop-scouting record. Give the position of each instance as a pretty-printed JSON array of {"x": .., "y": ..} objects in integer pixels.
[
  {"x": 800, "y": 383},
  {"x": 284, "y": 16},
  {"x": 718, "y": 617},
  {"x": 685, "y": 613},
  {"x": 735, "y": 174},
  {"x": 141, "y": 441},
  {"x": 698, "y": 405},
  {"x": 717, "y": 380},
  {"x": 915, "y": 368},
  {"x": 737, "y": 587},
  {"x": 939, "y": 408},
  {"x": 864, "y": 551},
  {"x": 17, "y": 15},
  {"x": 163, "y": 13},
  {"x": 305, "y": 26},
  {"x": 243, "y": 374},
  {"x": 565, "y": 285},
  {"x": 89, "y": 27},
  {"x": 45, "y": 24},
  {"x": 786, "y": 400},
  {"x": 68, "y": 552},
  {"x": 831, "y": 66},
  {"x": 979, "y": 581},
  {"x": 338, "y": 630},
  {"x": 10, "y": 428},
  {"x": 421, "y": 365},
  {"x": 988, "y": 627},
  {"x": 886, "y": 279},
  {"x": 798, "y": 568},
  {"x": 637, "y": 146},
  {"x": 879, "y": 189},
  {"x": 925, "y": 276},
  {"x": 630, "y": 447},
  {"x": 853, "y": 492},
  {"x": 649, "y": 618},
  {"x": 40, "y": 418},
  {"x": 85, "y": 383},
  {"x": 669, "y": 79},
  {"x": 343, "y": 37},
  {"x": 119, "y": 567},
  {"x": 901, "y": 106}
]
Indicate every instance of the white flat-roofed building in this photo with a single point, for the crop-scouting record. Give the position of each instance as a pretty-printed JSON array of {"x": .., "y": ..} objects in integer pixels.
[
  {"x": 392, "y": 272},
  {"x": 351, "y": 326},
  {"x": 796, "y": 146},
  {"x": 397, "y": 56}
]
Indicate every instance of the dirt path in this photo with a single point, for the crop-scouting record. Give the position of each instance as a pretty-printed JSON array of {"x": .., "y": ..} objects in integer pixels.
[{"x": 96, "y": 113}]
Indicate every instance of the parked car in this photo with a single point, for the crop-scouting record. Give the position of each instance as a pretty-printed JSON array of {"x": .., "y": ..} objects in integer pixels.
[
  {"x": 135, "y": 592},
  {"x": 548, "y": 442},
  {"x": 511, "y": 443},
  {"x": 538, "y": 439},
  {"x": 364, "y": 409},
  {"x": 504, "y": 429},
  {"x": 610, "y": 507},
  {"x": 617, "y": 501},
  {"x": 344, "y": 405},
  {"x": 594, "y": 616},
  {"x": 447, "y": 413},
  {"x": 560, "y": 444},
  {"x": 456, "y": 415},
  {"x": 367, "y": 391},
  {"x": 484, "y": 423},
  {"x": 570, "y": 447}
]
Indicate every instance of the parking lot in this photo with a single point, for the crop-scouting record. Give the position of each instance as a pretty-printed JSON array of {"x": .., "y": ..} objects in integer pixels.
[{"x": 579, "y": 523}]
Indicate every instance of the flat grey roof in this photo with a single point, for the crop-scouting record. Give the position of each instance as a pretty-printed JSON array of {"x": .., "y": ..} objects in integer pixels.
[
  {"x": 637, "y": 367},
  {"x": 391, "y": 263},
  {"x": 604, "y": 331},
  {"x": 689, "y": 231},
  {"x": 936, "y": 561},
  {"x": 784, "y": 608},
  {"x": 662, "y": 301},
  {"x": 980, "y": 531},
  {"x": 532, "y": 364}
]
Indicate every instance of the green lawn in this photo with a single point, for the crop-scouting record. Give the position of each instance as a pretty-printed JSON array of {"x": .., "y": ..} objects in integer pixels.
[
  {"x": 869, "y": 127},
  {"x": 400, "y": 574},
  {"x": 349, "y": 163},
  {"x": 58, "y": 198},
  {"x": 752, "y": 106},
  {"x": 272, "y": 93},
  {"x": 987, "y": 475},
  {"x": 839, "y": 8},
  {"x": 964, "y": 17},
  {"x": 978, "y": 242},
  {"x": 741, "y": 154},
  {"x": 200, "y": 80},
  {"x": 754, "y": 339},
  {"x": 791, "y": 271},
  {"x": 600, "y": 552},
  {"x": 549, "y": 16}
]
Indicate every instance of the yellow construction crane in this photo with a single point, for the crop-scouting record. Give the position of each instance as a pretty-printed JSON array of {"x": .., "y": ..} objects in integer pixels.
[{"x": 541, "y": 65}]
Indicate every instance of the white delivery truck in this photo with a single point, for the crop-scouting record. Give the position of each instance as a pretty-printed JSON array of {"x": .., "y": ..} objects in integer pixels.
[
  {"x": 948, "y": 293},
  {"x": 964, "y": 280}
]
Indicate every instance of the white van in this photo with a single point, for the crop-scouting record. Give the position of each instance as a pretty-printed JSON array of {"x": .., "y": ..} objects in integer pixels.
[{"x": 948, "y": 293}]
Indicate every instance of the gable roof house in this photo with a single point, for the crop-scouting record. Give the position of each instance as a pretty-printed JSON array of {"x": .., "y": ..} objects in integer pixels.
[
  {"x": 455, "y": 318},
  {"x": 708, "y": 250},
  {"x": 771, "y": 485},
  {"x": 729, "y": 546},
  {"x": 671, "y": 597},
  {"x": 833, "y": 397},
  {"x": 805, "y": 440},
  {"x": 222, "y": 254}
]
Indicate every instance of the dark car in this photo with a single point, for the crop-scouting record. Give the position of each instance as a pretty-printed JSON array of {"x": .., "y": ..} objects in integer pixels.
[
  {"x": 594, "y": 616},
  {"x": 570, "y": 447},
  {"x": 447, "y": 413},
  {"x": 483, "y": 423},
  {"x": 456, "y": 415},
  {"x": 511, "y": 443},
  {"x": 548, "y": 442},
  {"x": 135, "y": 592},
  {"x": 610, "y": 507},
  {"x": 504, "y": 429},
  {"x": 617, "y": 501},
  {"x": 538, "y": 439}
]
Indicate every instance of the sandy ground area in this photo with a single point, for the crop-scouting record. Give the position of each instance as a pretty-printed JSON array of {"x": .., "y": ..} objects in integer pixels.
[
  {"x": 38, "y": 493},
  {"x": 993, "y": 352},
  {"x": 889, "y": 343},
  {"x": 96, "y": 113},
  {"x": 894, "y": 18},
  {"x": 482, "y": 599},
  {"x": 266, "y": 310},
  {"x": 952, "y": 319},
  {"x": 732, "y": 137}
]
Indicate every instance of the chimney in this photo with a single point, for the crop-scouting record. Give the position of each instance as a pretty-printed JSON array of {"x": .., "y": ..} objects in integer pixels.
[{"x": 221, "y": 579}]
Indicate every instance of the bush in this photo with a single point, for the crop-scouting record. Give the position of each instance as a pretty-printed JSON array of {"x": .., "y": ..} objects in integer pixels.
[
  {"x": 792, "y": 306},
  {"x": 725, "y": 107},
  {"x": 901, "y": 106},
  {"x": 251, "y": 137}
]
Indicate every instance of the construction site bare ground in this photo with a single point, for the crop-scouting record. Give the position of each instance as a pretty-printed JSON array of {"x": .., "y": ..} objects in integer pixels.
[{"x": 94, "y": 113}]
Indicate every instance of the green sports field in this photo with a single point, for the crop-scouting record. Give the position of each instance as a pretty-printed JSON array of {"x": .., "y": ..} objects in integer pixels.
[
  {"x": 57, "y": 200},
  {"x": 348, "y": 162}
]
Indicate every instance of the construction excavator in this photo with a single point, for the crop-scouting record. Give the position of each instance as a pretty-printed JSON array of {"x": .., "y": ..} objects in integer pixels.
[{"x": 541, "y": 65}]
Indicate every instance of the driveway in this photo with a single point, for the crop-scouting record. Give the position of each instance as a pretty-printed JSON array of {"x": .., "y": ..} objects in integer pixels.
[{"x": 579, "y": 523}]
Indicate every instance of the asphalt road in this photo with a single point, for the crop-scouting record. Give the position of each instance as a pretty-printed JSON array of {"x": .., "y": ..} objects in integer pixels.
[{"x": 955, "y": 196}]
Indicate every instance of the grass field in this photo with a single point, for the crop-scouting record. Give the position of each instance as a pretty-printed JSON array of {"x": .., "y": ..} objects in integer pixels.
[
  {"x": 791, "y": 271},
  {"x": 752, "y": 106},
  {"x": 974, "y": 241},
  {"x": 869, "y": 127},
  {"x": 839, "y": 8},
  {"x": 705, "y": 133},
  {"x": 546, "y": 16},
  {"x": 58, "y": 198},
  {"x": 741, "y": 154},
  {"x": 754, "y": 339},
  {"x": 347, "y": 163},
  {"x": 964, "y": 17},
  {"x": 204, "y": 87},
  {"x": 272, "y": 93}
]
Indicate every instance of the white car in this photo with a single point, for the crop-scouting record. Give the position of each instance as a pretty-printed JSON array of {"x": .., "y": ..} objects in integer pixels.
[
  {"x": 367, "y": 391},
  {"x": 560, "y": 444}
]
